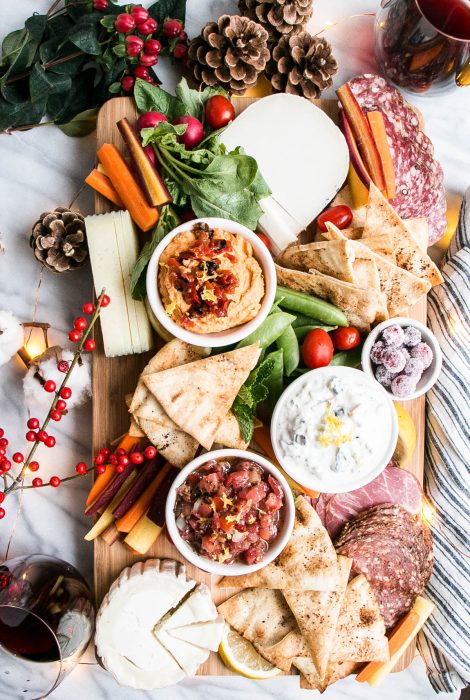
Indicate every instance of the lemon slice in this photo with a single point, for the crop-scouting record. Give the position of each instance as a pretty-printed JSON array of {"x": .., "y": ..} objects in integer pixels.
[
  {"x": 406, "y": 436},
  {"x": 241, "y": 656}
]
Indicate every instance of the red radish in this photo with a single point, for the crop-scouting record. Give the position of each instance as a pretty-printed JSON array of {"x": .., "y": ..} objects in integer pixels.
[
  {"x": 150, "y": 153},
  {"x": 194, "y": 133},
  {"x": 149, "y": 120}
]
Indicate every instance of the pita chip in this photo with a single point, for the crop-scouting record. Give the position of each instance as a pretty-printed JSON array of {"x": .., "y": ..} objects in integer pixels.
[
  {"x": 134, "y": 430},
  {"x": 197, "y": 395},
  {"x": 360, "y": 632},
  {"x": 229, "y": 434},
  {"x": 419, "y": 229},
  {"x": 382, "y": 244},
  {"x": 381, "y": 217},
  {"x": 317, "y": 615},
  {"x": 308, "y": 562},
  {"x": 333, "y": 258},
  {"x": 263, "y": 618},
  {"x": 174, "y": 445},
  {"x": 359, "y": 305},
  {"x": 309, "y": 678}
]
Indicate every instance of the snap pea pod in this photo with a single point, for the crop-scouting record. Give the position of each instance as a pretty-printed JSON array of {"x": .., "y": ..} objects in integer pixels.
[
  {"x": 302, "y": 331},
  {"x": 274, "y": 385},
  {"x": 288, "y": 343},
  {"x": 302, "y": 320},
  {"x": 269, "y": 331},
  {"x": 301, "y": 303},
  {"x": 347, "y": 358}
]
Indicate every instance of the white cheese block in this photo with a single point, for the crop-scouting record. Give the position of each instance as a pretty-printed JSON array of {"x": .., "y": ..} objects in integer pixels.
[
  {"x": 302, "y": 155},
  {"x": 206, "y": 635},
  {"x": 114, "y": 248}
]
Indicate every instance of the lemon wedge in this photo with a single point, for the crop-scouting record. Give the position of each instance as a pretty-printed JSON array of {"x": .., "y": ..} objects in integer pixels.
[
  {"x": 241, "y": 656},
  {"x": 406, "y": 436}
]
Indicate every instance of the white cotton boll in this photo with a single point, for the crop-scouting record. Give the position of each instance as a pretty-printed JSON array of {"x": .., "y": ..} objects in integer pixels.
[
  {"x": 11, "y": 336},
  {"x": 46, "y": 365}
]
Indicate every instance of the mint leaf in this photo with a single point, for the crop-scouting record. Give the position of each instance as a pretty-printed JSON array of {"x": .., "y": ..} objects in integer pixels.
[
  {"x": 251, "y": 393},
  {"x": 244, "y": 416}
]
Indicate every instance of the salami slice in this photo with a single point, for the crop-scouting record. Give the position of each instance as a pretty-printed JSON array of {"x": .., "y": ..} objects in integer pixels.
[
  {"x": 418, "y": 176},
  {"x": 393, "y": 485}
]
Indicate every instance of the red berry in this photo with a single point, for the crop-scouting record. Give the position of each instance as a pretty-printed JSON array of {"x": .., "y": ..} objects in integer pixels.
[
  {"x": 120, "y": 451},
  {"x": 81, "y": 468},
  {"x": 37, "y": 481},
  {"x": 31, "y": 436},
  {"x": 61, "y": 405},
  {"x": 99, "y": 459},
  {"x": 100, "y": 5},
  {"x": 113, "y": 460},
  {"x": 3, "y": 442},
  {"x": 18, "y": 457},
  {"x": 75, "y": 336},
  {"x": 100, "y": 469},
  {"x": 180, "y": 51},
  {"x": 147, "y": 27},
  {"x": 127, "y": 83},
  {"x": 50, "y": 386},
  {"x": 56, "y": 415},
  {"x": 139, "y": 13},
  {"x": 134, "y": 39},
  {"x": 137, "y": 458},
  {"x": 141, "y": 72},
  {"x": 2, "y": 432},
  {"x": 65, "y": 393},
  {"x": 89, "y": 344},
  {"x": 123, "y": 460},
  {"x": 33, "y": 466},
  {"x": 63, "y": 366},
  {"x": 42, "y": 436},
  {"x": 6, "y": 465},
  {"x": 183, "y": 36},
  {"x": 120, "y": 468},
  {"x": 88, "y": 308},
  {"x": 80, "y": 323},
  {"x": 54, "y": 481},
  {"x": 172, "y": 28},
  {"x": 150, "y": 452},
  {"x": 2, "y": 451},
  {"x": 49, "y": 441},
  {"x": 33, "y": 423},
  {"x": 2, "y": 496},
  {"x": 105, "y": 301},
  {"x": 124, "y": 23},
  {"x": 2, "y": 513},
  {"x": 133, "y": 50},
  {"x": 153, "y": 47},
  {"x": 146, "y": 60},
  {"x": 105, "y": 452}
]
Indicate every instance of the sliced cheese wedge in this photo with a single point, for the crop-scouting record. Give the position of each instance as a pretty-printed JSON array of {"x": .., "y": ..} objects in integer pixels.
[
  {"x": 206, "y": 635},
  {"x": 188, "y": 656},
  {"x": 199, "y": 607}
]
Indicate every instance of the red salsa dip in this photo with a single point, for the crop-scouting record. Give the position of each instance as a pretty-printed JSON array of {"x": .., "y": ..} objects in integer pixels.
[{"x": 229, "y": 510}]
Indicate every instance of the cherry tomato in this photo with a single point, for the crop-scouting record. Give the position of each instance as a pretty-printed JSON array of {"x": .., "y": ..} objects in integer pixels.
[
  {"x": 345, "y": 338},
  {"x": 265, "y": 240},
  {"x": 317, "y": 350},
  {"x": 340, "y": 216},
  {"x": 219, "y": 111}
]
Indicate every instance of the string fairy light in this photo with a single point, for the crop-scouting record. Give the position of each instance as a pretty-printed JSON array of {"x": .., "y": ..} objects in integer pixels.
[{"x": 333, "y": 23}]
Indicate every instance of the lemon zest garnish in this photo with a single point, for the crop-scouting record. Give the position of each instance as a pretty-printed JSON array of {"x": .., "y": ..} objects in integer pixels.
[
  {"x": 224, "y": 556},
  {"x": 333, "y": 431},
  {"x": 171, "y": 308},
  {"x": 208, "y": 295}
]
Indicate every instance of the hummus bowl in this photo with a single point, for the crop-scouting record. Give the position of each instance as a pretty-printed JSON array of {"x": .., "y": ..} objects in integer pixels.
[
  {"x": 334, "y": 429},
  {"x": 258, "y": 255}
]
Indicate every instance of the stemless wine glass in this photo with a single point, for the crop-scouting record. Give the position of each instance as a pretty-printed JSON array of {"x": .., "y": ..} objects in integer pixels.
[
  {"x": 46, "y": 622},
  {"x": 423, "y": 46}
]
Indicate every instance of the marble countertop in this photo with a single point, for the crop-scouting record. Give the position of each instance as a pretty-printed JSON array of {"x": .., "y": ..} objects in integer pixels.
[{"x": 42, "y": 169}]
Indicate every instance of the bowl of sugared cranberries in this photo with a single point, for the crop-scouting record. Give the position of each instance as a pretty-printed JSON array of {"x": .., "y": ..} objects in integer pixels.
[{"x": 403, "y": 356}]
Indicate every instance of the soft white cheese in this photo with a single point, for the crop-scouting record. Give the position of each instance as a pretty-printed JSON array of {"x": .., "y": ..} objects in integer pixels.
[{"x": 206, "y": 635}]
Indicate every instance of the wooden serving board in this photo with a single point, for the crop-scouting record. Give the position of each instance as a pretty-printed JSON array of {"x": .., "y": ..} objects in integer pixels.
[{"x": 113, "y": 378}]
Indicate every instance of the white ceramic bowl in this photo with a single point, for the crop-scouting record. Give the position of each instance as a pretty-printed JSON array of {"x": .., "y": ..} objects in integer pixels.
[
  {"x": 336, "y": 482},
  {"x": 232, "y": 335},
  {"x": 429, "y": 376},
  {"x": 235, "y": 569}
]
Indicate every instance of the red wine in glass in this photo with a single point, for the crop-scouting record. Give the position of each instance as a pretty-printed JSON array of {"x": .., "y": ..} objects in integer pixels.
[{"x": 424, "y": 45}]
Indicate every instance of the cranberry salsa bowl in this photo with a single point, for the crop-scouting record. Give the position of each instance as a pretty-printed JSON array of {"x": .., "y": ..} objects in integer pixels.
[{"x": 230, "y": 512}]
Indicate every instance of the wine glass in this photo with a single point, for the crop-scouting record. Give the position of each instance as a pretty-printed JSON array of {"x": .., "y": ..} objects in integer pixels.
[{"x": 46, "y": 622}]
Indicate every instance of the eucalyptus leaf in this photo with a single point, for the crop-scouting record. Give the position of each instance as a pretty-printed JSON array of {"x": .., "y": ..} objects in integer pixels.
[
  {"x": 176, "y": 9},
  {"x": 85, "y": 34},
  {"x": 21, "y": 113},
  {"x": 82, "y": 124},
  {"x": 12, "y": 45},
  {"x": 44, "y": 83}
]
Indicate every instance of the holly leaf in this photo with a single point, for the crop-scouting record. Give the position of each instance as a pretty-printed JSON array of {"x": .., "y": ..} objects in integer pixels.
[
  {"x": 162, "y": 9},
  {"x": 82, "y": 124}
]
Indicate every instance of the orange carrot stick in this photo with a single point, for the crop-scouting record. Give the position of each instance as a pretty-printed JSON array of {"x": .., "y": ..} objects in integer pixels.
[
  {"x": 101, "y": 481},
  {"x": 377, "y": 125},
  {"x": 141, "y": 506},
  {"x": 102, "y": 184}
]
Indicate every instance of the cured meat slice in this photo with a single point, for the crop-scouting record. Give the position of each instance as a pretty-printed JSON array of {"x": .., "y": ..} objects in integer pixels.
[
  {"x": 419, "y": 177},
  {"x": 393, "y": 485}
]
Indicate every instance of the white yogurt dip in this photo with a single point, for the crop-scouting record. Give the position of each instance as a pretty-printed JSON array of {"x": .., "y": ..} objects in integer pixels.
[{"x": 333, "y": 428}]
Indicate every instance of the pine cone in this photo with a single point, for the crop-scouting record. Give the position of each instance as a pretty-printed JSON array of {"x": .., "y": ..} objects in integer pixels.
[
  {"x": 58, "y": 239},
  {"x": 231, "y": 52},
  {"x": 301, "y": 64},
  {"x": 278, "y": 17}
]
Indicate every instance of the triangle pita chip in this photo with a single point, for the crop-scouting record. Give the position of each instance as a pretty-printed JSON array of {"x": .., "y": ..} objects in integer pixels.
[
  {"x": 229, "y": 434},
  {"x": 134, "y": 430},
  {"x": 333, "y": 258},
  {"x": 174, "y": 445},
  {"x": 309, "y": 678},
  {"x": 360, "y": 632},
  {"x": 308, "y": 562},
  {"x": 197, "y": 395},
  {"x": 381, "y": 217},
  {"x": 359, "y": 305},
  {"x": 263, "y": 618},
  {"x": 317, "y": 615},
  {"x": 382, "y": 244},
  {"x": 419, "y": 229}
]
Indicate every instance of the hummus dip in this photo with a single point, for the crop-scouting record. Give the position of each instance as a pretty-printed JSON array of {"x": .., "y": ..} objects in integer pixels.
[{"x": 209, "y": 280}]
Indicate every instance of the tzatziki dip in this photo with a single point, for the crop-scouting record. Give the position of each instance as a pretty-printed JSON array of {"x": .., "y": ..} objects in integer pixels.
[{"x": 334, "y": 429}]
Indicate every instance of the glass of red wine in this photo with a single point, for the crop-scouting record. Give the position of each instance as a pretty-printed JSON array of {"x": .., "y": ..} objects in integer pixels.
[
  {"x": 423, "y": 46},
  {"x": 46, "y": 622}
]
